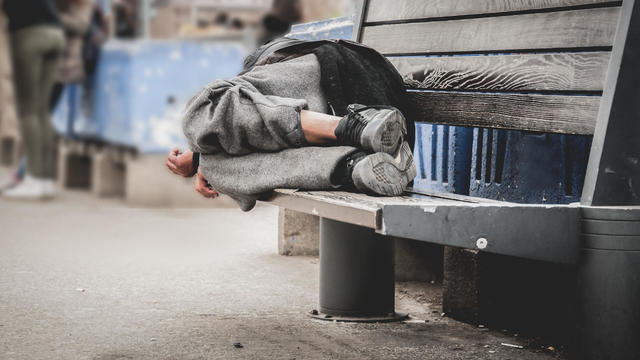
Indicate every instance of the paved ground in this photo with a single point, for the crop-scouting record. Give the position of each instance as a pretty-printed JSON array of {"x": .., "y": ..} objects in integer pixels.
[{"x": 88, "y": 279}]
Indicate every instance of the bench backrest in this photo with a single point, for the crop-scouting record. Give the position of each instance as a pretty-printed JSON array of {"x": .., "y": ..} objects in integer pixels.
[{"x": 536, "y": 65}]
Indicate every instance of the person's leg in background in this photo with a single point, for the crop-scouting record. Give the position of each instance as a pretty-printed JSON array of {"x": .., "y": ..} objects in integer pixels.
[
  {"x": 35, "y": 54},
  {"x": 27, "y": 60},
  {"x": 47, "y": 133},
  {"x": 18, "y": 175}
]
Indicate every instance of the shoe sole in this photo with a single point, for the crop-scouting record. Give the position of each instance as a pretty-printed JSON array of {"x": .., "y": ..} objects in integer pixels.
[
  {"x": 385, "y": 133},
  {"x": 380, "y": 174},
  {"x": 404, "y": 158}
]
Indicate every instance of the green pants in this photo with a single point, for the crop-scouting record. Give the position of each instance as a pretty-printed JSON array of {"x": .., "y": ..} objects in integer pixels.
[{"x": 36, "y": 51}]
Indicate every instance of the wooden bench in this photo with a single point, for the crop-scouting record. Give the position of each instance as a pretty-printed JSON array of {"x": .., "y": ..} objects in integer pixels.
[{"x": 554, "y": 66}]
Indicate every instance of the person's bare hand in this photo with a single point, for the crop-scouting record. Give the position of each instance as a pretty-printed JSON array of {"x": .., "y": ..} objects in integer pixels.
[
  {"x": 180, "y": 164},
  {"x": 204, "y": 188}
]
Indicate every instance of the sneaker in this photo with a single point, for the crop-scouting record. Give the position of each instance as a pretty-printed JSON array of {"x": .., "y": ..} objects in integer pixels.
[
  {"x": 382, "y": 174},
  {"x": 372, "y": 128},
  {"x": 29, "y": 189}
]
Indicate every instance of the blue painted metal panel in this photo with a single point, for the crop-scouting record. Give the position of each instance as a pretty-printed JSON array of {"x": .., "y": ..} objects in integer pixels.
[
  {"x": 528, "y": 168},
  {"x": 140, "y": 89},
  {"x": 337, "y": 28},
  {"x": 143, "y": 86},
  {"x": 112, "y": 95},
  {"x": 443, "y": 158}
]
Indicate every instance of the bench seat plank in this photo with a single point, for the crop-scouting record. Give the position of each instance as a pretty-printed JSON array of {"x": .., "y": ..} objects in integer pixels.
[
  {"x": 353, "y": 208},
  {"x": 567, "y": 72},
  {"x": 543, "y": 232},
  {"x": 398, "y": 10},
  {"x": 565, "y": 29},
  {"x": 333, "y": 205},
  {"x": 530, "y": 112}
]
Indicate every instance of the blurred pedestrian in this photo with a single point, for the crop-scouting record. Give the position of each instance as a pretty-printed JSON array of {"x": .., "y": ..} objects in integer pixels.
[
  {"x": 236, "y": 24},
  {"x": 37, "y": 42},
  {"x": 96, "y": 34},
  {"x": 278, "y": 21},
  {"x": 125, "y": 16},
  {"x": 75, "y": 16}
]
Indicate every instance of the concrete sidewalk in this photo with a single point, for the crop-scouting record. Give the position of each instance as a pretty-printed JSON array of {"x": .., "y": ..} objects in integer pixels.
[{"x": 82, "y": 278}]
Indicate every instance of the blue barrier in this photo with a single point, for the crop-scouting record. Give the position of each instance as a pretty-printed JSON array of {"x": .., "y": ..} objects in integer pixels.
[
  {"x": 443, "y": 158},
  {"x": 143, "y": 87},
  {"x": 140, "y": 89},
  {"x": 526, "y": 167}
]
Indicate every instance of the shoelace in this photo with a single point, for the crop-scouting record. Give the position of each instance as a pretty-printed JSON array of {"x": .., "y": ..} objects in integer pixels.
[
  {"x": 350, "y": 129},
  {"x": 355, "y": 125}
]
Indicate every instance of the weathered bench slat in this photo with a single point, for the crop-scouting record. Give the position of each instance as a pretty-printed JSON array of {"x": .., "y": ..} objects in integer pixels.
[
  {"x": 543, "y": 232},
  {"x": 452, "y": 196},
  {"x": 385, "y": 10},
  {"x": 332, "y": 205},
  {"x": 545, "y": 113},
  {"x": 515, "y": 72},
  {"x": 354, "y": 208},
  {"x": 539, "y": 232},
  {"x": 564, "y": 29}
]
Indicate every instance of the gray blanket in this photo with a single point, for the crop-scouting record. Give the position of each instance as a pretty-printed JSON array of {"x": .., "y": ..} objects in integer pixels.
[{"x": 248, "y": 131}]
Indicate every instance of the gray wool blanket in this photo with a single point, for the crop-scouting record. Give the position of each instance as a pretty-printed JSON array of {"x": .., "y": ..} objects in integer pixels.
[{"x": 248, "y": 132}]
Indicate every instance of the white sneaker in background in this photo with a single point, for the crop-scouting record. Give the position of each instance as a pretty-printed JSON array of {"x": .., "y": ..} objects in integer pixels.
[{"x": 29, "y": 189}]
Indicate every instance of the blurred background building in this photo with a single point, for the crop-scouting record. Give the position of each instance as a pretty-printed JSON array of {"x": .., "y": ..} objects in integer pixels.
[
  {"x": 170, "y": 18},
  {"x": 174, "y": 18}
]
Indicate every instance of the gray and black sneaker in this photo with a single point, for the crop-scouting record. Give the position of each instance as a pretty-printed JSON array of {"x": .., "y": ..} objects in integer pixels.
[
  {"x": 382, "y": 174},
  {"x": 372, "y": 128}
]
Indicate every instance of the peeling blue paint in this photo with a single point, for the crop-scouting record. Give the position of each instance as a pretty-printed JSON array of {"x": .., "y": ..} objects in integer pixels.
[{"x": 141, "y": 87}]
